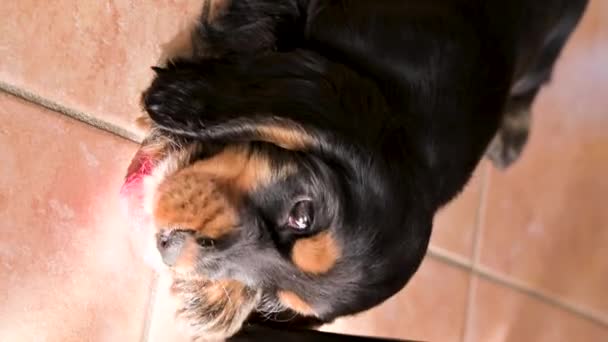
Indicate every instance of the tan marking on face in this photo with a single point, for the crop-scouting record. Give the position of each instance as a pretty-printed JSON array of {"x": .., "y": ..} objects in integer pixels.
[
  {"x": 218, "y": 290},
  {"x": 286, "y": 136},
  {"x": 295, "y": 303},
  {"x": 213, "y": 310},
  {"x": 238, "y": 167},
  {"x": 173, "y": 158},
  {"x": 191, "y": 199},
  {"x": 316, "y": 254},
  {"x": 205, "y": 196}
]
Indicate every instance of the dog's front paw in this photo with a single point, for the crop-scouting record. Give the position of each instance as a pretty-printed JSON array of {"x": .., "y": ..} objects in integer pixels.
[
  {"x": 511, "y": 138},
  {"x": 213, "y": 310},
  {"x": 174, "y": 100}
]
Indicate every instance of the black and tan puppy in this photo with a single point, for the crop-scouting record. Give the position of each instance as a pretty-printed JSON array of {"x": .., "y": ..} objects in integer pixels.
[{"x": 319, "y": 137}]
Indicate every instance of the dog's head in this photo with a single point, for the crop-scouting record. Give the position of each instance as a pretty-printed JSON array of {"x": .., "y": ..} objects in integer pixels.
[{"x": 315, "y": 236}]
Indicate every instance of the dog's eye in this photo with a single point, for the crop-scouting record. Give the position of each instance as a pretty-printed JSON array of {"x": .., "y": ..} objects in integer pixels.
[
  {"x": 301, "y": 216},
  {"x": 205, "y": 242}
]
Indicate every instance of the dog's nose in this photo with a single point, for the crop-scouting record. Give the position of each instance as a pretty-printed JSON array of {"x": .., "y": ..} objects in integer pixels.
[{"x": 170, "y": 244}]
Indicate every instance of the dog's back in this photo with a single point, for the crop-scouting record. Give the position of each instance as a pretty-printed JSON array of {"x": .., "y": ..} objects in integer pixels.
[
  {"x": 529, "y": 34},
  {"x": 499, "y": 52},
  {"x": 534, "y": 32}
]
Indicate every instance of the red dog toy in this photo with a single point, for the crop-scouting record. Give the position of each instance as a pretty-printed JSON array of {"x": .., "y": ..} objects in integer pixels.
[{"x": 132, "y": 195}]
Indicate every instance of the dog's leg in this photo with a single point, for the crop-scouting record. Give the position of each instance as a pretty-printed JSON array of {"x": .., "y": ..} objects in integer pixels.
[{"x": 512, "y": 136}]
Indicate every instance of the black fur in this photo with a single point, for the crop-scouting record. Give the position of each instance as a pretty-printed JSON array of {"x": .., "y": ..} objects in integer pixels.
[{"x": 402, "y": 98}]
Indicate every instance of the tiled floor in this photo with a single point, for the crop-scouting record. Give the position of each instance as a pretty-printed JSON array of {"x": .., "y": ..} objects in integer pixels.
[{"x": 519, "y": 256}]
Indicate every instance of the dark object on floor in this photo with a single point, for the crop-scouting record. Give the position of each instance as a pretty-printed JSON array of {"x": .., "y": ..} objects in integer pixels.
[{"x": 255, "y": 333}]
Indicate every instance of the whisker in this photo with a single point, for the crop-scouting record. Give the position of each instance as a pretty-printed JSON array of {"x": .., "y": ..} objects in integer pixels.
[{"x": 226, "y": 292}]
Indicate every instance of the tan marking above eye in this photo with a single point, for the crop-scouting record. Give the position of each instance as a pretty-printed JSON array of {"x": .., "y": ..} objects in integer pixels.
[
  {"x": 316, "y": 254},
  {"x": 295, "y": 303},
  {"x": 289, "y": 137},
  {"x": 237, "y": 166},
  {"x": 205, "y": 196},
  {"x": 190, "y": 199}
]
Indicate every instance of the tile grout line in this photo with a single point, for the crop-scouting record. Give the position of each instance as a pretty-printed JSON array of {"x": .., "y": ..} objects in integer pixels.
[
  {"x": 109, "y": 128},
  {"x": 150, "y": 307},
  {"x": 72, "y": 113},
  {"x": 513, "y": 284},
  {"x": 521, "y": 287},
  {"x": 470, "y": 306},
  {"x": 449, "y": 258},
  {"x": 480, "y": 219},
  {"x": 475, "y": 248},
  {"x": 475, "y": 267}
]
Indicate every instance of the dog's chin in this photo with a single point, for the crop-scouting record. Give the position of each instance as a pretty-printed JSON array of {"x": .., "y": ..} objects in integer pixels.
[{"x": 212, "y": 310}]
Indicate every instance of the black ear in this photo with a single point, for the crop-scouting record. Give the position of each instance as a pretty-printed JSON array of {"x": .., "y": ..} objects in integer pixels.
[
  {"x": 297, "y": 100},
  {"x": 195, "y": 105}
]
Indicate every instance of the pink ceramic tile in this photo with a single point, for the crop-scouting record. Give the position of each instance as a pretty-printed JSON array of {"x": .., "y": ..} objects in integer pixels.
[
  {"x": 546, "y": 221},
  {"x": 430, "y": 308},
  {"x": 454, "y": 225},
  {"x": 93, "y": 56},
  {"x": 67, "y": 269},
  {"x": 503, "y": 315},
  {"x": 163, "y": 326}
]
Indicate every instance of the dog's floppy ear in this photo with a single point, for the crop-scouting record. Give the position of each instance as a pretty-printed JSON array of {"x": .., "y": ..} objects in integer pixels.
[{"x": 296, "y": 100}]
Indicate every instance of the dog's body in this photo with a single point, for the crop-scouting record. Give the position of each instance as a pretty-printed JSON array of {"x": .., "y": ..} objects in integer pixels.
[{"x": 332, "y": 133}]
